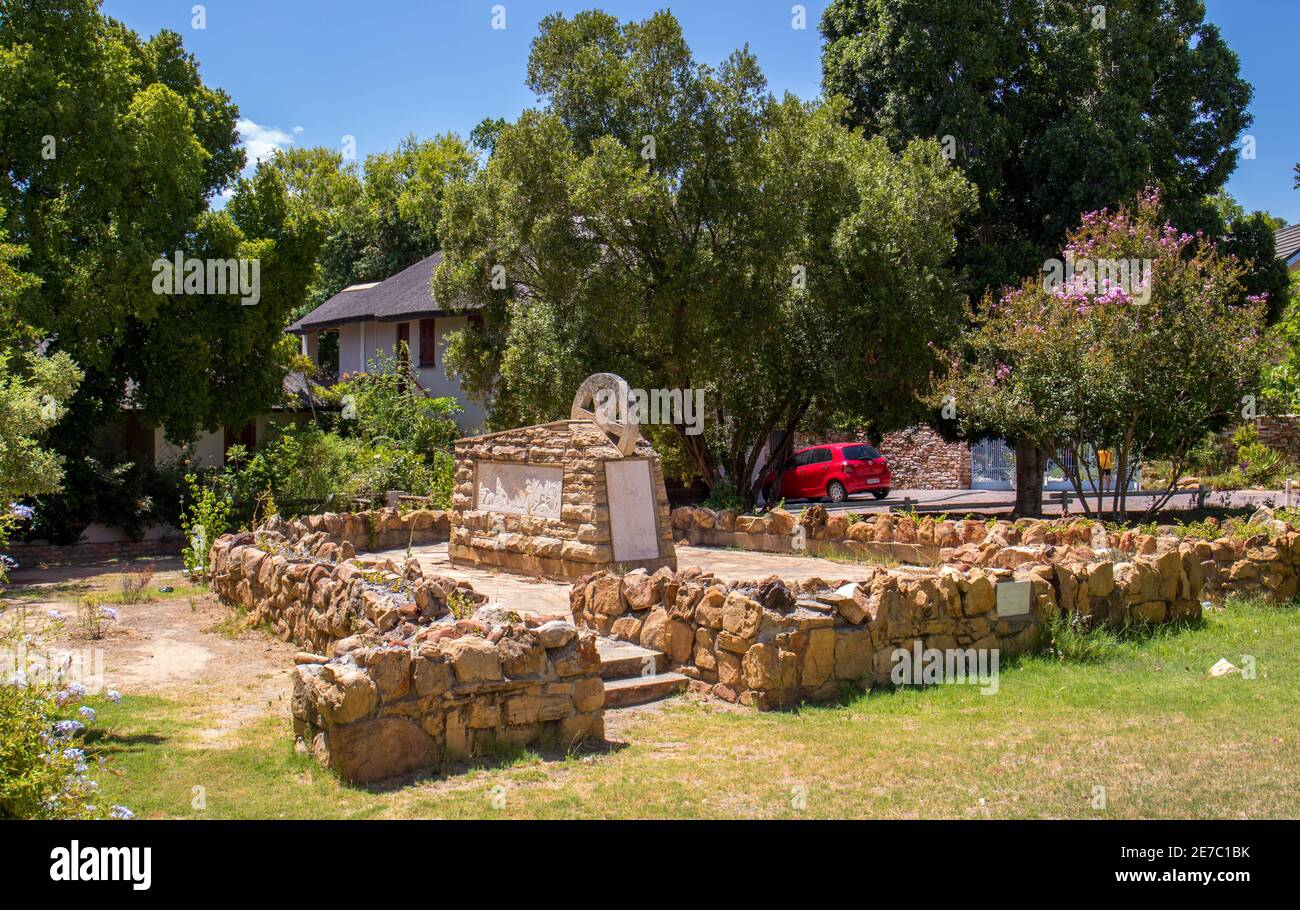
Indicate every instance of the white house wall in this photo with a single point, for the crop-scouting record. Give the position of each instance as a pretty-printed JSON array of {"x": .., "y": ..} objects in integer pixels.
[{"x": 362, "y": 342}]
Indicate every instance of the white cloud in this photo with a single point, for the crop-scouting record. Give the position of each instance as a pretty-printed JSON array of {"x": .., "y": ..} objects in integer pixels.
[{"x": 262, "y": 142}]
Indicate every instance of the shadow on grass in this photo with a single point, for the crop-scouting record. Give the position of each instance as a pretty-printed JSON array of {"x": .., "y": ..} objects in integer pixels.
[
  {"x": 498, "y": 757},
  {"x": 1065, "y": 642}
]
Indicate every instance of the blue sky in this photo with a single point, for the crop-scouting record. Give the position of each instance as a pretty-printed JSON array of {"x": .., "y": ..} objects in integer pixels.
[{"x": 308, "y": 72}]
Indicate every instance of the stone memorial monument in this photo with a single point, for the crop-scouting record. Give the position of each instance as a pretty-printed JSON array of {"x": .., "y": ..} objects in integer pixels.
[{"x": 566, "y": 498}]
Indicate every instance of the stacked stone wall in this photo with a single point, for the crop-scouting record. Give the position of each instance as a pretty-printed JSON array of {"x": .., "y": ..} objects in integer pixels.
[
  {"x": 1265, "y": 564},
  {"x": 402, "y": 671},
  {"x": 772, "y": 642}
]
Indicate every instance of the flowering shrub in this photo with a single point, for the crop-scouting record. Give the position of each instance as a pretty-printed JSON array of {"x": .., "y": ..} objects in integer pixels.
[
  {"x": 94, "y": 618},
  {"x": 207, "y": 518},
  {"x": 1144, "y": 367},
  {"x": 8, "y": 521},
  {"x": 45, "y": 767}
]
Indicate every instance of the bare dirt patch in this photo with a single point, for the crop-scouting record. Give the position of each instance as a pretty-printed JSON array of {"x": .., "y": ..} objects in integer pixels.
[{"x": 180, "y": 647}]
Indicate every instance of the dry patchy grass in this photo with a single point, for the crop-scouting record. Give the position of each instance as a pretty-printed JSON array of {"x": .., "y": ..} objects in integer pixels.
[{"x": 1147, "y": 724}]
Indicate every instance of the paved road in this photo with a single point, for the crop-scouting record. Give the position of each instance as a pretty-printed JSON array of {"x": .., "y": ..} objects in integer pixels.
[{"x": 957, "y": 502}]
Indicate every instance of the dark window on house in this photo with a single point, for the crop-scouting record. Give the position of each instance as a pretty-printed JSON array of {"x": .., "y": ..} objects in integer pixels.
[
  {"x": 428, "y": 343},
  {"x": 404, "y": 338},
  {"x": 327, "y": 354},
  {"x": 245, "y": 436}
]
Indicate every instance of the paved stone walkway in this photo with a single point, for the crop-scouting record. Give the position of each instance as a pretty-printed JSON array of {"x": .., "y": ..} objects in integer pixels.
[{"x": 549, "y": 598}]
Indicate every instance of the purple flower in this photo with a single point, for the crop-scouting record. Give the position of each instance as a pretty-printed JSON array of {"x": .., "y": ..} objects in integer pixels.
[
  {"x": 88, "y": 713},
  {"x": 21, "y": 512},
  {"x": 113, "y": 695},
  {"x": 121, "y": 812},
  {"x": 65, "y": 728}
]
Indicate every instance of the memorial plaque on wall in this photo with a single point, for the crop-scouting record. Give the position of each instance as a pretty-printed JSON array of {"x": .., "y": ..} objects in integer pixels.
[
  {"x": 632, "y": 525},
  {"x": 519, "y": 489},
  {"x": 1014, "y": 599}
]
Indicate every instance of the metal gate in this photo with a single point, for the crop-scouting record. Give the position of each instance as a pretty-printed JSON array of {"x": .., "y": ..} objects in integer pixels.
[{"x": 993, "y": 465}]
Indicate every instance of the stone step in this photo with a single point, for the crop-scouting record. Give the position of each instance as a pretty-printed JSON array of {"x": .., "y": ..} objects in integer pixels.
[
  {"x": 637, "y": 690},
  {"x": 620, "y": 659}
]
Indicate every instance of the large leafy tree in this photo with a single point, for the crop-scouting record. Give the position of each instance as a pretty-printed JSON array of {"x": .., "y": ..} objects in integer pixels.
[
  {"x": 111, "y": 150},
  {"x": 33, "y": 389},
  {"x": 377, "y": 219},
  {"x": 677, "y": 224},
  {"x": 1052, "y": 108},
  {"x": 1144, "y": 370}
]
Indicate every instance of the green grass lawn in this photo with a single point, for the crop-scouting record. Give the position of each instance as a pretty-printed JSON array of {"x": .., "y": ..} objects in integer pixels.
[{"x": 1145, "y": 722}]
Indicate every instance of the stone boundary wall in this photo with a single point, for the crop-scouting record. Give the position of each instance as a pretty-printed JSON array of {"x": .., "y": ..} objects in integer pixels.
[
  {"x": 1277, "y": 431},
  {"x": 772, "y": 643},
  {"x": 404, "y": 671},
  {"x": 1265, "y": 564},
  {"x": 919, "y": 458},
  {"x": 378, "y": 529}
]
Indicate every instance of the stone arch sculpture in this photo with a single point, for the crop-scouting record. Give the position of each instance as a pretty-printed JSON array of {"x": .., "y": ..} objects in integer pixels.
[{"x": 605, "y": 399}]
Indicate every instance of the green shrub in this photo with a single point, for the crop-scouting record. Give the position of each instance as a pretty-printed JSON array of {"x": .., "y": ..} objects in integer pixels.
[
  {"x": 723, "y": 496},
  {"x": 294, "y": 464},
  {"x": 388, "y": 408},
  {"x": 206, "y": 519}
]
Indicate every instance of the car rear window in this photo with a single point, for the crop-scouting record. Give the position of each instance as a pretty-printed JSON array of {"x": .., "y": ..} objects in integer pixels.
[{"x": 860, "y": 453}]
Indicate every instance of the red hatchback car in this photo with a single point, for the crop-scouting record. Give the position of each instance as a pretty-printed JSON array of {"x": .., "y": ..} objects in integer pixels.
[{"x": 832, "y": 471}]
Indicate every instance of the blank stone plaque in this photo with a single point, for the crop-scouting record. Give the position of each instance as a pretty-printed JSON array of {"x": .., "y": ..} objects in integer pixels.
[
  {"x": 1014, "y": 598},
  {"x": 632, "y": 523}
]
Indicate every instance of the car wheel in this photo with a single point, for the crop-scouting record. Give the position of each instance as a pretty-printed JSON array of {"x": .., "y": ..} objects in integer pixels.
[
  {"x": 835, "y": 491},
  {"x": 880, "y": 494}
]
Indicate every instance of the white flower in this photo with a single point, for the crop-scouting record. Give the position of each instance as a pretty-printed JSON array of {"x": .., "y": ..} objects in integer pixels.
[
  {"x": 121, "y": 812},
  {"x": 113, "y": 695}
]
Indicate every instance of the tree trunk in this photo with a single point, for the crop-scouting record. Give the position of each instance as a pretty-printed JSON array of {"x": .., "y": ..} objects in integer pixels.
[{"x": 1031, "y": 461}]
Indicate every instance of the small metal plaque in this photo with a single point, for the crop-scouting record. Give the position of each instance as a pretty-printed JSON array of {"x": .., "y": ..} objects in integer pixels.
[{"x": 1014, "y": 598}]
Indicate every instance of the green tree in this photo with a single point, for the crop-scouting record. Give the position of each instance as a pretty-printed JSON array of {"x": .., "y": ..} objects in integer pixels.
[
  {"x": 111, "y": 149},
  {"x": 1144, "y": 370},
  {"x": 377, "y": 220},
  {"x": 1052, "y": 111},
  {"x": 1051, "y": 108},
  {"x": 34, "y": 388},
  {"x": 679, "y": 225}
]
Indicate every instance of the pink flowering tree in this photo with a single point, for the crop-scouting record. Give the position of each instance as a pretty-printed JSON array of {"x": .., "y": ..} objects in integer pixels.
[{"x": 1139, "y": 340}]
